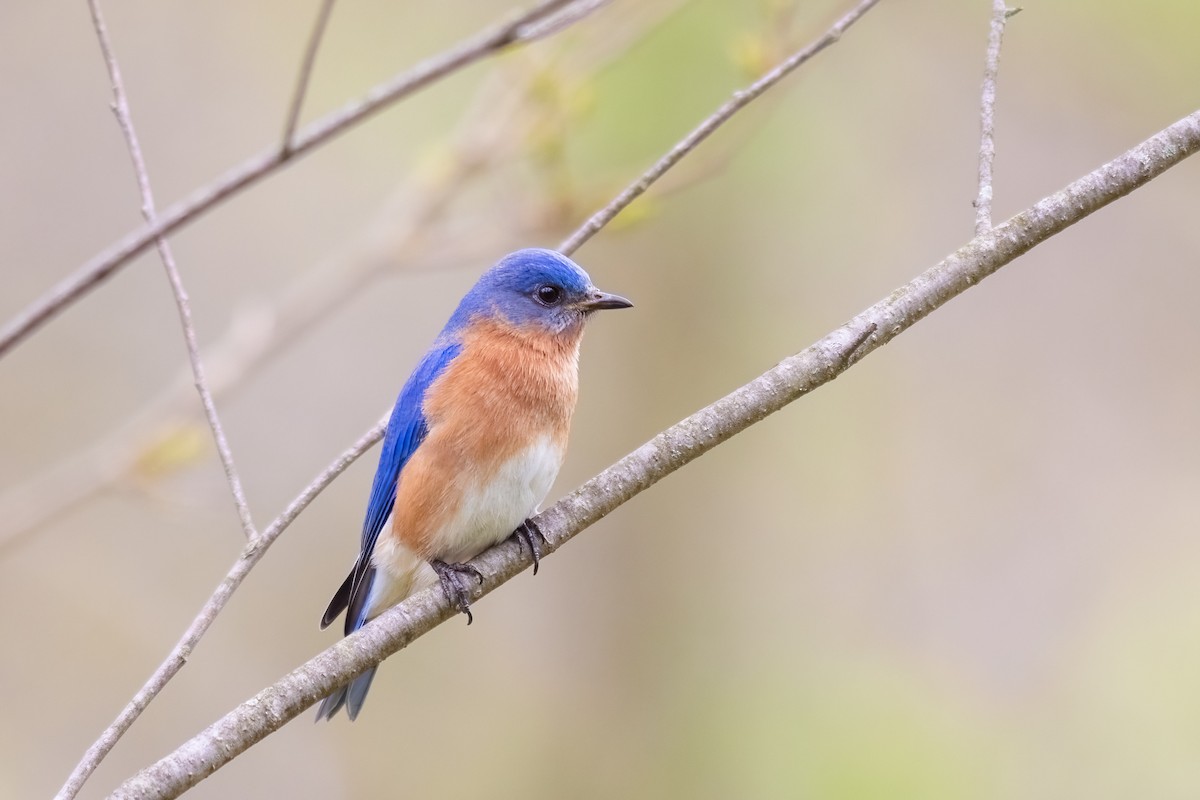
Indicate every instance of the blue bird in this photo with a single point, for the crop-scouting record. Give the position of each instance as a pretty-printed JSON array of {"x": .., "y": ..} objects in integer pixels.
[{"x": 476, "y": 439}]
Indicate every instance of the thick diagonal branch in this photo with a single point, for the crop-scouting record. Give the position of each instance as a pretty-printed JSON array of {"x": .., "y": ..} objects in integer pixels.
[{"x": 670, "y": 450}]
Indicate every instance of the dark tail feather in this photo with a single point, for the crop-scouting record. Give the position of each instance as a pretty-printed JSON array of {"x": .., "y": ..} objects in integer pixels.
[
  {"x": 341, "y": 599},
  {"x": 350, "y": 597},
  {"x": 361, "y": 581},
  {"x": 351, "y": 696}
]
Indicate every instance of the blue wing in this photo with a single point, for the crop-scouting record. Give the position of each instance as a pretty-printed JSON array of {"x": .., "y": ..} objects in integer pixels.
[{"x": 406, "y": 430}]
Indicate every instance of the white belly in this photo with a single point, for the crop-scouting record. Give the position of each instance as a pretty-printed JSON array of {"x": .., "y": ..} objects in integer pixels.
[{"x": 493, "y": 506}]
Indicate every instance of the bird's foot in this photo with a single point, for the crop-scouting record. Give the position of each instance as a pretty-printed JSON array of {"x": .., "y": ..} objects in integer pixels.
[
  {"x": 528, "y": 534},
  {"x": 453, "y": 583}
]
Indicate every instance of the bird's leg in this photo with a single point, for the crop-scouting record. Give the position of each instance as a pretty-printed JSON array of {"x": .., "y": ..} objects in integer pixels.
[
  {"x": 528, "y": 534},
  {"x": 451, "y": 578}
]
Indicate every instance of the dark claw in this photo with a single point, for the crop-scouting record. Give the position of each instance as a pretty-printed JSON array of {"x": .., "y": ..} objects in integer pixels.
[
  {"x": 528, "y": 534},
  {"x": 450, "y": 576}
]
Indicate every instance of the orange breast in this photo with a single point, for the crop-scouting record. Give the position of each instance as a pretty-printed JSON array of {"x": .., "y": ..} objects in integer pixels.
[{"x": 508, "y": 388}]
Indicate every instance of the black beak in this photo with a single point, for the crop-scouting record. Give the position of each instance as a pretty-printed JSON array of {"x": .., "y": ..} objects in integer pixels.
[{"x": 598, "y": 301}]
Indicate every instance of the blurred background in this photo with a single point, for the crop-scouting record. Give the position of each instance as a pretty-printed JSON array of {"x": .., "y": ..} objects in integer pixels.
[{"x": 965, "y": 569}]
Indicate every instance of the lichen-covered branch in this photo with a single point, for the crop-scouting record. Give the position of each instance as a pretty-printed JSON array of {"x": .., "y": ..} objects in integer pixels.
[
  {"x": 987, "y": 117},
  {"x": 670, "y": 450}
]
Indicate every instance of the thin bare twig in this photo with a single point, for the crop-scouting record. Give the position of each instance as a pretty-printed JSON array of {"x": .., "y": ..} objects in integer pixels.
[
  {"x": 125, "y": 120},
  {"x": 670, "y": 450},
  {"x": 987, "y": 119},
  {"x": 302, "y": 79},
  {"x": 740, "y": 100},
  {"x": 521, "y": 29},
  {"x": 250, "y": 556},
  {"x": 551, "y": 24}
]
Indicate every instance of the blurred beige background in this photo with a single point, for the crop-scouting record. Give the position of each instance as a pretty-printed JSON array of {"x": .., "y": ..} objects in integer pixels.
[{"x": 966, "y": 569}]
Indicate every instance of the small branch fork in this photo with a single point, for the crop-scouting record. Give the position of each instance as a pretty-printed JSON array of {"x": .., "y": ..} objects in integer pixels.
[
  {"x": 125, "y": 120},
  {"x": 304, "y": 76},
  {"x": 987, "y": 119},
  {"x": 667, "y": 452}
]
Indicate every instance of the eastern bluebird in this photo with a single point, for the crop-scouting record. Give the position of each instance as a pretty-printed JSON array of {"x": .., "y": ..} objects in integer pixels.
[{"x": 474, "y": 442}]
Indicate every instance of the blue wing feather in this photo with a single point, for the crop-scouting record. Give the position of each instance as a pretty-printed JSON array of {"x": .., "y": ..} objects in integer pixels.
[{"x": 405, "y": 431}]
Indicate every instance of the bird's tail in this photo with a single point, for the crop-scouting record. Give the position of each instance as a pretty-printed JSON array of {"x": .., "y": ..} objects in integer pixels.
[
  {"x": 355, "y": 596},
  {"x": 365, "y": 594},
  {"x": 351, "y": 696}
]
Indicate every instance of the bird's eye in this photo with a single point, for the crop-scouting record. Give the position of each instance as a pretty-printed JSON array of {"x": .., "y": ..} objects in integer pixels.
[{"x": 548, "y": 295}]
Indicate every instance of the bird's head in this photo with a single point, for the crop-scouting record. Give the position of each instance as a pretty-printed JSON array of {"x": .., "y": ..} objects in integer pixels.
[{"x": 538, "y": 288}]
